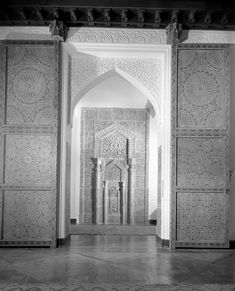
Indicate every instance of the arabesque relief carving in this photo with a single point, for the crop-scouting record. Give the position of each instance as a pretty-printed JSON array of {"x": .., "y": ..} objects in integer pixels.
[
  {"x": 200, "y": 146},
  {"x": 200, "y": 162},
  {"x": 29, "y": 215},
  {"x": 200, "y": 217},
  {"x": 30, "y": 85},
  {"x": 114, "y": 190},
  {"x": 29, "y": 104},
  {"x": 86, "y": 69},
  {"x": 28, "y": 160},
  {"x": 201, "y": 84}
]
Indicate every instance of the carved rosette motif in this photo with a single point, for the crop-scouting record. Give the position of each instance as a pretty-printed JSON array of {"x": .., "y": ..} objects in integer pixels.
[
  {"x": 201, "y": 85},
  {"x": 30, "y": 85},
  {"x": 201, "y": 217}
]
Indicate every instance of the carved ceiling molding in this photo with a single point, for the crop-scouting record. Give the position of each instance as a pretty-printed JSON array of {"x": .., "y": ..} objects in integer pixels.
[
  {"x": 115, "y": 35},
  {"x": 144, "y": 36},
  {"x": 25, "y": 33},
  {"x": 126, "y": 14}
]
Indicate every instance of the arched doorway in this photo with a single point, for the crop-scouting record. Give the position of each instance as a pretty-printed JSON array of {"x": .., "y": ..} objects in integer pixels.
[{"x": 114, "y": 141}]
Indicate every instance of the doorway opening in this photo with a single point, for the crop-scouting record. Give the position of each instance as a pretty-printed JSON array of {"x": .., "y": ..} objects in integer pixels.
[{"x": 114, "y": 158}]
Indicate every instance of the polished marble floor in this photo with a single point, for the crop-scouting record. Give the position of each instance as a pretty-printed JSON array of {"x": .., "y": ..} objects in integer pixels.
[{"x": 116, "y": 259}]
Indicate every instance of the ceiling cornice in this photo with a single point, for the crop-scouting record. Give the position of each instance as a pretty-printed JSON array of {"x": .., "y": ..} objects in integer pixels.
[{"x": 203, "y": 15}]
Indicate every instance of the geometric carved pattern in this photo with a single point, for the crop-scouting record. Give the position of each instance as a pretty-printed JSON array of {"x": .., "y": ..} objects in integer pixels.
[
  {"x": 110, "y": 134},
  {"x": 29, "y": 215},
  {"x": 201, "y": 217},
  {"x": 200, "y": 89},
  {"x": 200, "y": 162},
  {"x": 114, "y": 146},
  {"x": 200, "y": 145},
  {"x": 88, "y": 68},
  {"x": 29, "y": 103},
  {"x": 30, "y": 85},
  {"x": 114, "y": 200},
  {"x": 113, "y": 173},
  {"x": 115, "y": 139},
  {"x": 28, "y": 160}
]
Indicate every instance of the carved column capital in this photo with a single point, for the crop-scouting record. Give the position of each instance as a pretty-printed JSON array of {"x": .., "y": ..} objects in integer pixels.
[
  {"x": 57, "y": 30},
  {"x": 174, "y": 31},
  {"x": 98, "y": 164}
]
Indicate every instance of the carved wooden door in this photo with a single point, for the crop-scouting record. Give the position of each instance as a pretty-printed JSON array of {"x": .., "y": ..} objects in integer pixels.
[
  {"x": 200, "y": 146},
  {"x": 28, "y": 142}
]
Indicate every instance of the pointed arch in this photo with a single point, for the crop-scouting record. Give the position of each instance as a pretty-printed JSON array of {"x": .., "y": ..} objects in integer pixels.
[{"x": 135, "y": 83}]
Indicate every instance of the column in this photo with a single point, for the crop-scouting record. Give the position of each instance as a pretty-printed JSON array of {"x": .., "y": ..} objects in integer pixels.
[
  {"x": 98, "y": 193},
  {"x": 123, "y": 202},
  {"x": 131, "y": 197}
]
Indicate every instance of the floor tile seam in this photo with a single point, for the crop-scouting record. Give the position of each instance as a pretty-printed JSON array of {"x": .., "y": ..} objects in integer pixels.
[
  {"x": 117, "y": 251},
  {"x": 112, "y": 264},
  {"x": 25, "y": 273},
  {"x": 197, "y": 274},
  {"x": 224, "y": 258},
  {"x": 107, "y": 260},
  {"x": 19, "y": 261}
]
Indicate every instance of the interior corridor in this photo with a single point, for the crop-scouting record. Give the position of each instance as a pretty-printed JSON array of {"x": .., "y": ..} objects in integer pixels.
[{"x": 114, "y": 261}]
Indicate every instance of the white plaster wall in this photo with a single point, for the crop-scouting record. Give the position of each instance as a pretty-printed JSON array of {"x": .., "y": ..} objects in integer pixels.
[
  {"x": 113, "y": 92},
  {"x": 232, "y": 141}
]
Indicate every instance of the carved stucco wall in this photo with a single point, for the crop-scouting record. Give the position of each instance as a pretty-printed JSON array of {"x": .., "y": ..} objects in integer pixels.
[
  {"x": 143, "y": 36},
  {"x": 95, "y": 120},
  {"x": 200, "y": 140},
  {"x": 88, "y": 68},
  {"x": 28, "y": 135},
  {"x": 115, "y": 35}
]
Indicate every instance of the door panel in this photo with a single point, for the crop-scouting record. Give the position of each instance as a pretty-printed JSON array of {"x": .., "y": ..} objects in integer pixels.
[
  {"x": 200, "y": 145},
  {"x": 29, "y": 94}
]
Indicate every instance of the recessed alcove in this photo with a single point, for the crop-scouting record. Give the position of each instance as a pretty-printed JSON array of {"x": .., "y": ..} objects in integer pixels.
[{"x": 122, "y": 112}]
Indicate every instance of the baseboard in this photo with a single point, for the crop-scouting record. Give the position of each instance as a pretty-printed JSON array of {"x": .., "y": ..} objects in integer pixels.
[
  {"x": 63, "y": 241},
  {"x": 165, "y": 243},
  {"x": 73, "y": 220},
  {"x": 25, "y": 244},
  {"x": 232, "y": 244}
]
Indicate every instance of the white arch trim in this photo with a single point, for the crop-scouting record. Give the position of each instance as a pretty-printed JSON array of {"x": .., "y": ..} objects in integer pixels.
[{"x": 138, "y": 85}]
